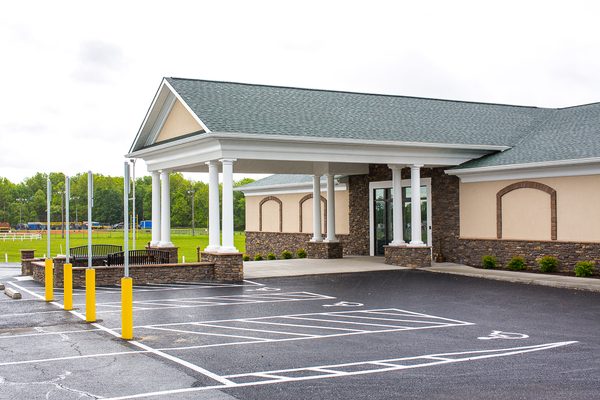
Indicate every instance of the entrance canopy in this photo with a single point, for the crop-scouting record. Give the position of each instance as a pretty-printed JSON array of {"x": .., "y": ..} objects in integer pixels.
[{"x": 269, "y": 129}]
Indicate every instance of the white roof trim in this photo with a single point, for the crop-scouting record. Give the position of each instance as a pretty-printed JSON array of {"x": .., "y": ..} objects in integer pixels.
[
  {"x": 204, "y": 127},
  {"x": 544, "y": 169},
  {"x": 316, "y": 139}
]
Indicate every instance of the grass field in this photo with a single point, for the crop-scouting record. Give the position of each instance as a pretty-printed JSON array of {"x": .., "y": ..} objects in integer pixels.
[{"x": 187, "y": 244}]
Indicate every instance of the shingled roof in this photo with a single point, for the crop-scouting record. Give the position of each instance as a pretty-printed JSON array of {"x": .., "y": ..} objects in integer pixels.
[
  {"x": 259, "y": 109},
  {"x": 532, "y": 134}
]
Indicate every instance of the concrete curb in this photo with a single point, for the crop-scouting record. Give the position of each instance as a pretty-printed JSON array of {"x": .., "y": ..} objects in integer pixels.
[{"x": 12, "y": 293}]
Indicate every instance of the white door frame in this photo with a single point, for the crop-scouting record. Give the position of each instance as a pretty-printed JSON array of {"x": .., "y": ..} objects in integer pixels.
[{"x": 388, "y": 184}]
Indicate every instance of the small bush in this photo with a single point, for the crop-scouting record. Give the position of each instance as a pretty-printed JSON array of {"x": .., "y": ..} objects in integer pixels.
[
  {"x": 516, "y": 264},
  {"x": 258, "y": 257},
  {"x": 271, "y": 256},
  {"x": 548, "y": 264},
  {"x": 246, "y": 257},
  {"x": 286, "y": 254},
  {"x": 584, "y": 268},
  {"x": 301, "y": 253},
  {"x": 489, "y": 262}
]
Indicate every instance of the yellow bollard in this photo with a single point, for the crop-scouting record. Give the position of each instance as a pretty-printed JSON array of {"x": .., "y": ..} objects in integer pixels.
[
  {"x": 126, "y": 308},
  {"x": 49, "y": 278},
  {"x": 68, "y": 286},
  {"x": 90, "y": 295}
]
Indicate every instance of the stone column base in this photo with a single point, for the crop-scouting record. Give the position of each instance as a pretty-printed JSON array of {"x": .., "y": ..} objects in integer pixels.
[
  {"x": 407, "y": 256},
  {"x": 173, "y": 253},
  {"x": 324, "y": 250},
  {"x": 229, "y": 267}
]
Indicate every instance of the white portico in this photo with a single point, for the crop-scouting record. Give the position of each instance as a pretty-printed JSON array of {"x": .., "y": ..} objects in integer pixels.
[{"x": 221, "y": 127}]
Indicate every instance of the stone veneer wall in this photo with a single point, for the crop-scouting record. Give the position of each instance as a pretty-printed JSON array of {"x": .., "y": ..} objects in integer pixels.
[
  {"x": 470, "y": 251},
  {"x": 141, "y": 274},
  {"x": 264, "y": 243}
]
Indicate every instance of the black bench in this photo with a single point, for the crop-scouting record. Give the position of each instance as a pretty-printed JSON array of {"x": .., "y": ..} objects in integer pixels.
[
  {"x": 79, "y": 255},
  {"x": 138, "y": 257}
]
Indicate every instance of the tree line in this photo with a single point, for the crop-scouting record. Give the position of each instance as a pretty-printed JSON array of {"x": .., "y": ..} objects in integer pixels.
[{"x": 25, "y": 202}]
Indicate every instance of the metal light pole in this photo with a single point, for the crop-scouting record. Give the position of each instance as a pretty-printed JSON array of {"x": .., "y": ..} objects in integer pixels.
[
  {"x": 193, "y": 192},
  {"x": 134, "y": 225}
]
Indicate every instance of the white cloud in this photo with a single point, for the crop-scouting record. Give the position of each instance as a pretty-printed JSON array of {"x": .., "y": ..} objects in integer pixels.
[{"x": 78, "y": 77}]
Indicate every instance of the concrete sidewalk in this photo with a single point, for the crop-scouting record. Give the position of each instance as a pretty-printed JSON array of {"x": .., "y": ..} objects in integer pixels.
[{"x": 349, "y": 264}]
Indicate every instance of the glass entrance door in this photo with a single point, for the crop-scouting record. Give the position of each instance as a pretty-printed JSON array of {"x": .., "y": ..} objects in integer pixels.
[
  {"x": 384, "y": 227},
  {"x": 383, "y": 217}
]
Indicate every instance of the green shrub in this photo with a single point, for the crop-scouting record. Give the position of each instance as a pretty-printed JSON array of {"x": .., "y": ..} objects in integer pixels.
[
  {"x": 286, "y": 254},
  {"x": 258, "y": 257},
  {"x": 246, "y": 257},
  {"x": 516, "y": 264},
  {"x": 489, "y": 262},
  {"x": 548, "y": 264},
  {"x": 301, "y": 253},
  {"x": 585, "y": 268},
  {"x": 271, "y": 256}
]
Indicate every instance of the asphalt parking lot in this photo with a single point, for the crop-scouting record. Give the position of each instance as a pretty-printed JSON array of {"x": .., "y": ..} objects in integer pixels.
[{"x": 377, "y": 335}]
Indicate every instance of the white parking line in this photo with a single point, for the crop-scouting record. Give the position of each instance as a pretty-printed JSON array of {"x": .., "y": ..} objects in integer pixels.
[
  {"x": 211, "y": 301},
  {"x": 356, "y": 368},
  {"x": 336, "y": 324},
  {"x": 135, "y": 343}
]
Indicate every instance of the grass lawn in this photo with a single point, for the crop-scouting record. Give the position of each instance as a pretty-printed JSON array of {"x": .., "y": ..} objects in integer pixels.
[{"x": 187, "y": 244}]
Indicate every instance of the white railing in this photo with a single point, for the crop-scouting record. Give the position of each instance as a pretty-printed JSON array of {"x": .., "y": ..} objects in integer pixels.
[{"x": 14, "y": 236}]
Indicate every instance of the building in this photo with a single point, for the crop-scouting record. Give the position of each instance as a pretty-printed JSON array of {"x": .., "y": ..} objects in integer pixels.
[{"x": 493, "y": 179}]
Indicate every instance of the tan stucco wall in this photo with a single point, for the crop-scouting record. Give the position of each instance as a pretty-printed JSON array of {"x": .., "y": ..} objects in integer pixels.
[
  {"x": 526, "y": 212},
  {"x": 291, "y": 213},
  {"x": 178, "y": 123}
]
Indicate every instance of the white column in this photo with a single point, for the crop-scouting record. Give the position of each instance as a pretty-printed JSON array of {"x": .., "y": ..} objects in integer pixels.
[
  {"x": 397, "y": 208},
  {"x": 214, "y": 228},
  {"x": 155, "y": 208},
  {"x": 165, "y": 211},
  {"x": 317, "y": 236},
  {"x": 415, "y": 200},
  {"x": 227, "y": 207},
  {"x": 330, "y": 209}
]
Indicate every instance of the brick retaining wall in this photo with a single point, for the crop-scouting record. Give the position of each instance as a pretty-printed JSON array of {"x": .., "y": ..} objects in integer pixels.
[{"x": 141, "y": 274}]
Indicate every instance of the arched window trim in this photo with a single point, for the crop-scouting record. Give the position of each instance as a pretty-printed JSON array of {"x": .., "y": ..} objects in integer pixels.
[
  {"x": 526, "y": 185},
  {"x": 260, "y": 212},
  {"x": 324, "y": 205}
]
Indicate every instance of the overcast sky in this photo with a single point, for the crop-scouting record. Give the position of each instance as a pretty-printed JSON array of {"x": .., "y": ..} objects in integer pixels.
[{"x": 78, "y": 76}]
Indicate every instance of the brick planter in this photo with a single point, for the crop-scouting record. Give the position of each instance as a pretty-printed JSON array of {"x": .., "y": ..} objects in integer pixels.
[
  {"x": 324, "y": 250},
  {"x": 406, "y": 256}
]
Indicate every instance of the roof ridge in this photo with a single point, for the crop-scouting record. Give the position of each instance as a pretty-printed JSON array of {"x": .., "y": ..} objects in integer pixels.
[{"x": 362, "y": 93}]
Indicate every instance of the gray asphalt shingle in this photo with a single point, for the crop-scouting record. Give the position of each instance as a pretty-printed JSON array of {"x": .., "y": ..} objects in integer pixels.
[{"x": 535, "y": 134}]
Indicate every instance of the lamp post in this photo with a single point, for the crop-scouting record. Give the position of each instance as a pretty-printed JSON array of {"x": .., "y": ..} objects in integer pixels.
[
  {"x": 193, "y": 192},
  {"x": 134, "y": 225}
]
